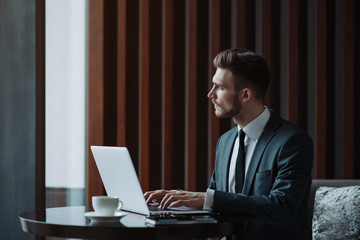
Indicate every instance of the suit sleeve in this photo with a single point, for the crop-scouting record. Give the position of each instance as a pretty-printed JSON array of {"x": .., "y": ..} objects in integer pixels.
[
  {"x": 292, "y": 180},
  {"x": 212, "y": 184}
]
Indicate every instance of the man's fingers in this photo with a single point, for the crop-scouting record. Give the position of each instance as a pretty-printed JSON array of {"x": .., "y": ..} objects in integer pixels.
[
  {"x": 154, "y": 196},
  {"x": 174, "y": 198},
  {"x": 149, "y": 198},
  {"x": 167, "y": 200},
  {"x": 177, "y": 203},
  {"x": 195, "y": 200},
  {"x": 147, "y": 194},
  {"x": 171, "y": 197}
]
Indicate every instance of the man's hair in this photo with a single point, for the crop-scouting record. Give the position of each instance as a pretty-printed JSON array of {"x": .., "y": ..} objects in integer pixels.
[{"x": 249, "y": 70}]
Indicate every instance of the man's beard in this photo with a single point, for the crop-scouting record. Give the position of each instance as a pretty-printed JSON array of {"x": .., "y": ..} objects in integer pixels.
[{"x": 234, "y": 111}]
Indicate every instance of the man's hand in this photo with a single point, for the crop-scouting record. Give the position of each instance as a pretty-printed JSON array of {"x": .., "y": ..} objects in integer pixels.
[{"x": 174, "y": 198}]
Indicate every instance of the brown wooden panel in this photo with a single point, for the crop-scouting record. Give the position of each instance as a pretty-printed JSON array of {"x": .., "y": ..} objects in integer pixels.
[
  {"x": 271, "y": 49},
  {"x": 144, "y": 93},
  {"x": 191, "y": 92},
  {"x": 155, "y": 94},
  {"x": 267, "y": 42},
  {"x": 220, "y": 36},
  {"x": 245, "y": 24},
  {"x": 110, "y": 72},
  {"x": 150, "y": 94},
  {"x": 297, "y": 63},
  {"x": 179, "y": 75},
  {"x": 132, "y": 79},
  {"x": 321, "y": 95},
  {"x": 95, "y": 94},
  {"x": 40, "y": 109},
  {"x": 241, "y": 23},
  {"x": 168, "y": 93},
  {"x": 349, "y": 85},
  {"x": 215, "y": 47},
  {"x": 294, "y": 70},
  {"x": 121, "y": 71},
  {"x": 202, "y": 84},
  {"x": 356, "y": 89}
]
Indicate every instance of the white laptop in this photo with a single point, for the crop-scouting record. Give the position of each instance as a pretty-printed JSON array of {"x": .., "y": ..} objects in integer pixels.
[{"x": 119, "y": 178}]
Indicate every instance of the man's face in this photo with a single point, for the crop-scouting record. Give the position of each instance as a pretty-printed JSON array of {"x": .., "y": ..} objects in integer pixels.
[{"x": 223, "y": 94}]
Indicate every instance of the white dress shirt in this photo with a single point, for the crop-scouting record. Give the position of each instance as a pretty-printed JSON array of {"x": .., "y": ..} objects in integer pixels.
[{"x": 252, "y": 133}]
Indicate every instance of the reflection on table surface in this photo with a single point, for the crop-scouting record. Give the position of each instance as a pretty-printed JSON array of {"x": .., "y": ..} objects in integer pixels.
[
  {"x": 74, "y": 216},
  {"x": 70, "y": 222}
]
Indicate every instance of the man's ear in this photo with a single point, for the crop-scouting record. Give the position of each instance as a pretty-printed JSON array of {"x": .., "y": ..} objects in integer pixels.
[{"x": 246, "y": 94}]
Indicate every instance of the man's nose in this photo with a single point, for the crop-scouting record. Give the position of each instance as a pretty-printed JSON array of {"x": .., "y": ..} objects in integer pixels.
[{"x": 211, "y": 94}]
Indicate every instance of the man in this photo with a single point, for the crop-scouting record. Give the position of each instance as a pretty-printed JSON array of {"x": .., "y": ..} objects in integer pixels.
[{"x": 274, "y": 155}]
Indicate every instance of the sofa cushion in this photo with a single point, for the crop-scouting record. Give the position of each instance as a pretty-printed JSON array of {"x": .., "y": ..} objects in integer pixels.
[{"x": 336, "y": 213}]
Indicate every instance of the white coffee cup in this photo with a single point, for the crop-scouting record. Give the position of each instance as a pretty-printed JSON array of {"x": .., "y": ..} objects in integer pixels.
[{"x": 105, "y": 205}]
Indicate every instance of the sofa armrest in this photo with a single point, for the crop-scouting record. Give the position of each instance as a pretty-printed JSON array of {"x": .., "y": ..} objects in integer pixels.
[{"x": 316, "y": 183}]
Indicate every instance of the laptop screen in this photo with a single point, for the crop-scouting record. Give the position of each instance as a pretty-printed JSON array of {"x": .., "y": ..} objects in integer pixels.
[{"x": 119, "y": 177}]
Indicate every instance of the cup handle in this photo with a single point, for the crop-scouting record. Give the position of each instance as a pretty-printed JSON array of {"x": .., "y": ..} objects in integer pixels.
[{"x": 119, "y": 205}]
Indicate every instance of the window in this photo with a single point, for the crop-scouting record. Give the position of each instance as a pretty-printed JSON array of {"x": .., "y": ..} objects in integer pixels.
[{"x": 65, "y": 102}]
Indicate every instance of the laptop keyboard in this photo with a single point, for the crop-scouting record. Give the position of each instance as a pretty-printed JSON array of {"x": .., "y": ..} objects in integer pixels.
[{"x": 154, "y": 208}]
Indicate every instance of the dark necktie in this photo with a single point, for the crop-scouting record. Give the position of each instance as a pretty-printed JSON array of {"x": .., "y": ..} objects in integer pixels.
[{"x": 240, "y": 164}]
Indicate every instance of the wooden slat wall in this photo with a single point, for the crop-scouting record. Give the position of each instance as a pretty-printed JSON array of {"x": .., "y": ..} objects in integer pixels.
[
  {"x": 270, "y": 12},
  {"x": 215, "y": 47},
  {"x": 128, "y": 83},
  {"x": 168, "y": 92},
  {"x": 220, "y": 31},
  {"x": 40, "y": 192},
  {"x": 190, "y": 101},
  {"x": 244, "y": 23},
  {"x": 144, "y": 93},
  {"x": 349, "y": 93},
  {"x": 297, "y": 62},
  {"x": 150, "y": 68},
  {"x": 173, "y": 91},
  {"x": 321, "y": 84},
  {"x": 96, "y": 94},
  {"x": 356, "y": 50},
  {"x": 122, "y": 51}
]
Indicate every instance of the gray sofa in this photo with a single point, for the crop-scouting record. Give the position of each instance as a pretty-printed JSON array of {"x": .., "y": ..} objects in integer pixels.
[{"x": 316, "y": 183}]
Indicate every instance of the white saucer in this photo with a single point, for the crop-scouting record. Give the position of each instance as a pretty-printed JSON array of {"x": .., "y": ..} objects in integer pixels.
[{"x": 96, "y": 218}]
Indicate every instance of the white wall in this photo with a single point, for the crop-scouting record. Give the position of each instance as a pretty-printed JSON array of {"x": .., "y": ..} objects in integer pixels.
[{"x": 65, "y": 93}]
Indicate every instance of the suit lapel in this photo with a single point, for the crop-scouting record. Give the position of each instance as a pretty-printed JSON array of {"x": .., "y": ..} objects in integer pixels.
[
  {"x": 264, "y": 139},
  {"x": 227, "y": 156}
]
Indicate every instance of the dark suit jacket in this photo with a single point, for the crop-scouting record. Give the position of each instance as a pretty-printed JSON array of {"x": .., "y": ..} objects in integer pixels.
[{"x": 276, "y": 188}]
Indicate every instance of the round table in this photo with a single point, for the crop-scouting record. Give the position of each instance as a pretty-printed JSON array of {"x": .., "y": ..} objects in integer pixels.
[{"x": 70, "y": 222}]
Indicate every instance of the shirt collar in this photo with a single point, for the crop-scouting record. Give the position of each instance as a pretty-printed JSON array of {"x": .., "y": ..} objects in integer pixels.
[{"x": 256, "y": 126}]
